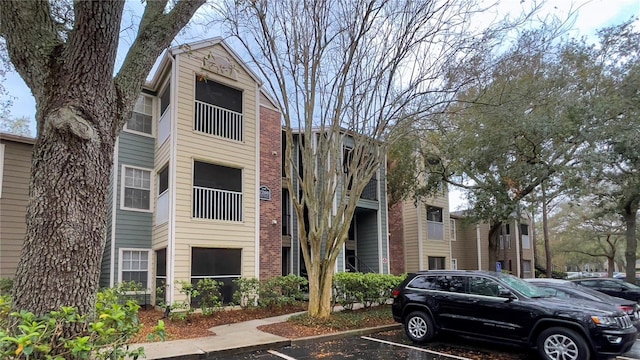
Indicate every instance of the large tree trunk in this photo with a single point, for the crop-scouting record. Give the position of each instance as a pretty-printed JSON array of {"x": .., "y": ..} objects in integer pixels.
[
  {"x": 320, "y": 280},
  {"x": 65, "y": 217},
  {"x": 494, "y": 233}
]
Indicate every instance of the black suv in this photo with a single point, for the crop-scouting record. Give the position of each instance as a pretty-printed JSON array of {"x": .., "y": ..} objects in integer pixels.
[
  {"x": 503, "y": 308},
  {"x": 614, "y": 287}
]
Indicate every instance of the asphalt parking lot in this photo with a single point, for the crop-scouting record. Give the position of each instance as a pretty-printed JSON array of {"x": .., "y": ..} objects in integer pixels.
[{"x": 394, "y": 345}]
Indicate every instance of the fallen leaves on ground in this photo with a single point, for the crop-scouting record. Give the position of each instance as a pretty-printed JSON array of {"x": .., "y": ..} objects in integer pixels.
[{"x": 198, "y": 325}]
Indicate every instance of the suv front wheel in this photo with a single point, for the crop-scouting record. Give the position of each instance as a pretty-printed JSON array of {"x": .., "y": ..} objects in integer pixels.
[
  {"x": 419, "y": 327},
  {"x": 558, "y": 343}
]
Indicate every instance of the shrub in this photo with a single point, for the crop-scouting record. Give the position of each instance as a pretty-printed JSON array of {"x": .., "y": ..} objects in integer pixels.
[
  {"x": 281, "y": 290},
  {"x": 209, "y": 296},
  {"x": 182, "y": 309},
  {"x": 26, "y": 336},
  {"x": 367, "y": 289},
  {"x": 6, "y": 285},
  {"x": 246, "y": 294}
]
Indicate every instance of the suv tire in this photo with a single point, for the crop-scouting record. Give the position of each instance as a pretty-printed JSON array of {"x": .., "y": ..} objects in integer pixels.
[
  {"x": 559, "y": 343},
  {"x": 419, "y": 327}
]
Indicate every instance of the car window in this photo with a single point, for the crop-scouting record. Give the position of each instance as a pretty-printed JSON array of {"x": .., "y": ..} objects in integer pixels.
[
  {"x": 521, "y": 286},
  {"x": 482, "y": 286},
  {"x": 610, "y": 284},
  {"x": 590, "y": 284},
  {"x": 424, "y": 283},
  {"x": 451, "y": 283}
]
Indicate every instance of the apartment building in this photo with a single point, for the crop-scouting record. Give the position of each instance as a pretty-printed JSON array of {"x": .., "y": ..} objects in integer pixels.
[{"x": 197, "y": 185}]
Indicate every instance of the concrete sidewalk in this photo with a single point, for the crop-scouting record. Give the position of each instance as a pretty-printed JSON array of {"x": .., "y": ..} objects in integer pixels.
[{"x": 237, "y": 338}]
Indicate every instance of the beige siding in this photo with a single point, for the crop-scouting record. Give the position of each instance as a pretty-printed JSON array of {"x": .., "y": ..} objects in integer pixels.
[
  {"x": 415, "y": 231},
  {"x": 411, "y": 254},
  {"x": 197, "y": 146},
  {"x": 13, "y": 202},
  {"x": 465, "y": 248}
]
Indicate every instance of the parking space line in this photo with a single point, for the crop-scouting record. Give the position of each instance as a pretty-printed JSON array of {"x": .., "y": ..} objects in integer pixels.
[
  {"x": 415, "y": 348},
  {"x": 287, "y": 357},
  {"x": 625, "y": 358}
]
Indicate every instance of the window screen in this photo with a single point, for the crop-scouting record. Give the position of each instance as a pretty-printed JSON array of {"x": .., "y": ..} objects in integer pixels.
[{"x": 214, "y": 93}]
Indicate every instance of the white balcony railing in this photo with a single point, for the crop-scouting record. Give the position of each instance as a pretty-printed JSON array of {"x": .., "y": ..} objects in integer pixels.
[
  {"x": 214, "y": 120},
  {"x": 164, "y": 126},
  {"x": 215, "y": 204},
  {"x": 435, "y": 230}
]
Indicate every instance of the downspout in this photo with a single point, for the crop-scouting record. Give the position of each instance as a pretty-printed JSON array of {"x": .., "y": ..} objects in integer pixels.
[
  {"x": 114, "y": 203},
  {"x": 420, "y": 240},
  {"x": 171, "y": 242},
  {"x": 257, "y": 187},
  {"x": 479, "y": 246}
]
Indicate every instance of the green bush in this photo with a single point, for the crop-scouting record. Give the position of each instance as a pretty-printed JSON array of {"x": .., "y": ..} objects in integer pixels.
[
  {"x": 281, "y": 290},
  {"x": 104, "y": 336},
  {"x": 246, "y": 294},
  {"x": 367, "y": 289},
  {"x": 209, "y": 296},
  {"x": 6, "y": 285}
]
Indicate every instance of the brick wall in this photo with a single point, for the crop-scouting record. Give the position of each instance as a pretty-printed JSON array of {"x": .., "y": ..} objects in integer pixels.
[
  {"x": 271, "y": 176},
  {"x": 396, "y": 240}
]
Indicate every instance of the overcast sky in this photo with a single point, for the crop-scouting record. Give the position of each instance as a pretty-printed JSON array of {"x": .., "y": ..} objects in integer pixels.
[{"x": 591, "y": 15}]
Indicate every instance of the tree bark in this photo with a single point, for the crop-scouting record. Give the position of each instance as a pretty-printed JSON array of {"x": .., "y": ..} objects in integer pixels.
[
  {"x": 81, "y": 109},
  {"x": 494, "y": 233}
]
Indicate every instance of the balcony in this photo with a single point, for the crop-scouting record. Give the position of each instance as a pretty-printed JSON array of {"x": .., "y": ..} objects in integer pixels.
[
  {"x": 435, "y": 230},
  {"x": 218, "y": 121},
  {"x": 370, "y": 191},
  {"x": 215, "y": 204}
]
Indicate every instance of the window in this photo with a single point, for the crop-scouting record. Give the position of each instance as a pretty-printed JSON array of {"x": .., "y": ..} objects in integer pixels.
[
  {"x": 162, "y": 202},
  {"x": 137, "y": 188},
  {"x": 164, "y": 123},
  {"x": 165, "y": 99},
  {"x": 450, "y": 283},
  {"x": 436, "y": 263},
  {"x": 435, "y": 224},
  {"x": 526, "y": 268},
  {"x": 424, "y": 283},
  {"x": 452, "y": 234},
  {"x": 505, "y": 237},
  {"x": 217, "y": 192},
  {"x": 142, "y": 116},
  {"x": 482, "y": 286},
  {"x": 215, "y": 263},
  {"x": 524, "y": 232},
  {"x": 161, "y": 277},
  {"x": 454, "y": 264},
  {"x": 218, "y": 110},
  {"x": 134, "y": 266},
  {"x": 286, "y": 212},
  {"x": 163, "y": 180}
]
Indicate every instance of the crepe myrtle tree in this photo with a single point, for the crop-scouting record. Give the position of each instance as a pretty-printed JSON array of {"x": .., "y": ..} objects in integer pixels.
[
  {"x": 345, "y": 74},
  {"x": 66, "y": 53}
]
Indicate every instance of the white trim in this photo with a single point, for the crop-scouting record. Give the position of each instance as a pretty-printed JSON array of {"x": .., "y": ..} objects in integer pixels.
[
  {"x": 114, "y": 208},
  {"x": 149, "y": 254},
  {"x": 256, "y": 254},
  {"x": 153, "y": 127},
  {"x": 454, "y": 261},
  {"x": 452, "y": 224},
  {"x": 151, "y": 188},
  {"x": 1, "y": 166},
  {"x": 420, "y": 240},
  {"x": 171, "y": 241}
]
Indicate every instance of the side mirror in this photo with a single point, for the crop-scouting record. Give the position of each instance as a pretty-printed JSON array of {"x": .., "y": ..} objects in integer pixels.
[{"x": 506, "y": 293}]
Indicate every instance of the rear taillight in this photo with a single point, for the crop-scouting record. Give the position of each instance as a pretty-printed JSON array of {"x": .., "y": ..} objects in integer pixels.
[{"x": 395, "y": 293}]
